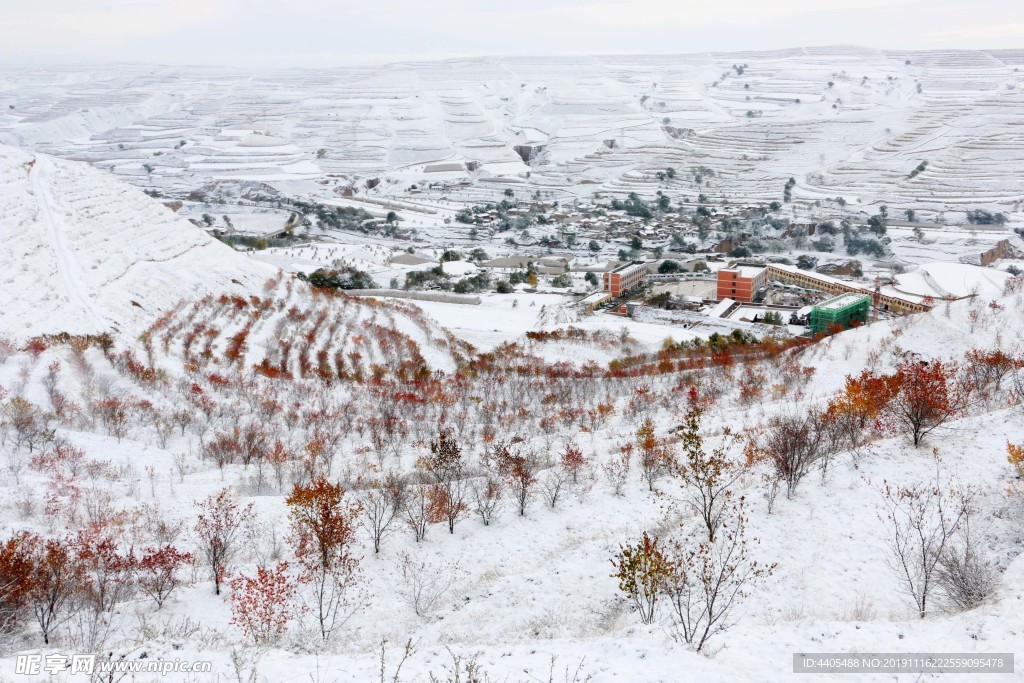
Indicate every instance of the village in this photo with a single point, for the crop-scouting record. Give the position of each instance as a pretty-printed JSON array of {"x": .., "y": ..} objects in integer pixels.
[{"x": 773, "y": 269}]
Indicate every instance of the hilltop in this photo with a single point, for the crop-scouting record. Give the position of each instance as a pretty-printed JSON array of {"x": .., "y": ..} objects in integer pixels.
[{"x": 86, "y": 253}]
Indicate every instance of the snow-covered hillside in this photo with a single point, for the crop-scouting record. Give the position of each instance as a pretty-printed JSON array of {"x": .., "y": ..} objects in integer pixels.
[
  {"x": 83, "y": 252},
  {"x": 343, "y": 394},
  {"x": 291, "y": 330}
]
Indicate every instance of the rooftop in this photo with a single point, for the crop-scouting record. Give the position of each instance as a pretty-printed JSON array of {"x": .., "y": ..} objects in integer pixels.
[
  {"x": 509, "y": 262},
  {"x": 595, "y": 298},
  {"x": 410, "y": 260},
  {"x": 886, "y": 290},
  {"x": 630, "y": 266},
  {"x": 746, "y": 271},
  {"x": 842, "y": 301},
  {"x": 719, "y": 309}
]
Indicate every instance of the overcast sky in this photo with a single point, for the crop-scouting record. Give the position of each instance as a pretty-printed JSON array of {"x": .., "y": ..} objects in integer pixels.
[{"x": 334, "y": 32}]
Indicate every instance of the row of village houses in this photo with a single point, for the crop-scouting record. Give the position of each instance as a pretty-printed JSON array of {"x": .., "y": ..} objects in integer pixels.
[
  {"x": 741, "y": 283},
  {"x": 746, "y": 284}
]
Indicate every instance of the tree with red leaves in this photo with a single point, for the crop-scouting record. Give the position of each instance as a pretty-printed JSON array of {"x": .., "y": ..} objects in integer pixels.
[
  {"x": 219, "y": 529},
  {"x": 858, "y": 408},
  {"x": 262, "y": 605},
  {"x": 519, "y": 469},
  {"x": 644, "y": 571},
  {"x": 655, "y": 458},
  {"x": 573, "y": 462},
  {"x": 446, "y": 464},
  {"x": 16, "y": 580},
  {"x": 984, "y": 371},
  {"x": 323, "y": 527},
  {"x": 113, "y": 414},
  {"x": 159, "y": 572},
  {"x": 106, "y": 571},
  {"x": 924, "y": 396},
  {"x": 56, "y": 580}
]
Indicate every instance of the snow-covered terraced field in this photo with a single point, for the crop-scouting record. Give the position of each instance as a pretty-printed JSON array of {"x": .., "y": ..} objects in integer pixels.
[
  {"x": 843, "y": 121},
  {"x": 291, "y": 331}
]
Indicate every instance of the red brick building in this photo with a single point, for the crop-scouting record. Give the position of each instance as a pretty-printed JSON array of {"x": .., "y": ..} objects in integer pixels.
[
  {"x": 741, "y": 283},
  {"x": 625, "y": 278}
]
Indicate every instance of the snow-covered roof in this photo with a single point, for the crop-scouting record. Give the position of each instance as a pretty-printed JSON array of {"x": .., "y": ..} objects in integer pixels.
[
  {"x": 410, "y": 260},
  {"x": 509, "y": 262},
  {"x": 719, "y": 309},
  {"x": 595, "y": 298},
  {"x": 458, "y": 268},
  {"x": 939, "y": 280},
  {"x": 841, "y": 301},
  {"x": 746, "y": 271}
]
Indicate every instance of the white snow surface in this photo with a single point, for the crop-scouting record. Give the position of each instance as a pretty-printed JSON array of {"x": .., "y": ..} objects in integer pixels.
[{"x": 939, "y": 280}]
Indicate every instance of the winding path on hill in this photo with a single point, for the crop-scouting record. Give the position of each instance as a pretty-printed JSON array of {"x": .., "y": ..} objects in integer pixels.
[{"x": 66, "y": 268}]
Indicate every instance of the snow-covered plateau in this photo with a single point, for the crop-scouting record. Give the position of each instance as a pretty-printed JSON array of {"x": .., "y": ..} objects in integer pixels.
[{"x": 843, "y": 121}]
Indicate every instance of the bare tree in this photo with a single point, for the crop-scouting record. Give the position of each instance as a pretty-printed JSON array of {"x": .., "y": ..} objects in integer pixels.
[
  {"x": 794, "y": 443},
  {"x": 417, "y": 511},
  {"x": 31, "y": 426},
  {"x": 424, "y": 586},
  {"x": 487, "y": 494},
  {"x": 922, "y": 521},
  {"x": 964, "y": 575},
  {"x": 707, "y": 476},
  {"x": 710, "y": 581},
  {"x": 616, "y": 470},
  {"x": 382, "y": 503},
  {"x": 464, "y": 669},
  {"x": 553, "y": 485}
]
